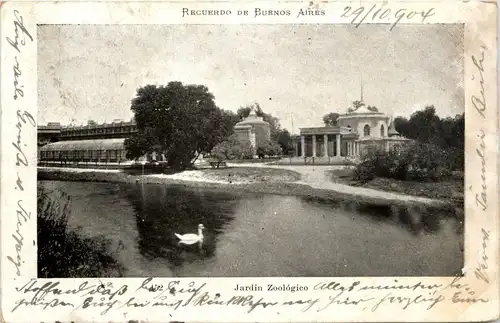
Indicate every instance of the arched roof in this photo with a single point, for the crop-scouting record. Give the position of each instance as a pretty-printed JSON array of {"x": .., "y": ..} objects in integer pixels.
[
  {"x": 93, "y": 144},
  {"x": 361, "y": 110},
  {"x": 251, "y": 120},
  {"x": 364, "y": 110}
]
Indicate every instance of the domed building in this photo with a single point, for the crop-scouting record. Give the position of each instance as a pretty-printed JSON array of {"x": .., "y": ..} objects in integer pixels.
[
  {"x": 368, "y": 129},
  {"x": 360, "y": 130},
  {"x": 253, "y": 129}
]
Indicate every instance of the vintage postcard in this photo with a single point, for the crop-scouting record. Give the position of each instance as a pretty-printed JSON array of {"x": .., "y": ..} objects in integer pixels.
[{"x": 254, "y": 161}]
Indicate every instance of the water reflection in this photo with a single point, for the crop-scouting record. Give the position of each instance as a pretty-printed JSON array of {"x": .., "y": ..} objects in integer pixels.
[
  {"x": 414, "y": 218},
  {"x": 161, "y": 211},
  {"x": 262, "y": 235}
]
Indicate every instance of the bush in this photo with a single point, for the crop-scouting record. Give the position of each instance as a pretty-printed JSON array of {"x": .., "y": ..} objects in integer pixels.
[
  {"x": 232, "y": 149},
  {"x": 365, "y": 171},
  {"x": 269, "y": 148},
  {"x": 416, "y": 162},
  {"x": 65, "y": 253}
]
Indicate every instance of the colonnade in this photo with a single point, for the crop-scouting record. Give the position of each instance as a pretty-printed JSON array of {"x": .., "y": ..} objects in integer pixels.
[
  {"x": 352, "y": 146},
  {"x": 325, "y": 145}
]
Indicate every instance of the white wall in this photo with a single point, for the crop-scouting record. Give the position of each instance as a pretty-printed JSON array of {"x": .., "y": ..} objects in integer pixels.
[{"x": 358, "y": 123}]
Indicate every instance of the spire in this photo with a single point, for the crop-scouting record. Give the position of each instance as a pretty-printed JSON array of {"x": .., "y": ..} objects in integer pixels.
[{"x": 361, "y": 87}]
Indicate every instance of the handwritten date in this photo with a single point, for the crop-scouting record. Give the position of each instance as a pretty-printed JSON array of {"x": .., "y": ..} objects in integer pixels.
[{"x": 384, "y": 15}]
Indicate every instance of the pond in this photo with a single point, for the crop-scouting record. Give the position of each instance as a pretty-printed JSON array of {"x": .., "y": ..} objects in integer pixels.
[{"x": 255, "y": 234}]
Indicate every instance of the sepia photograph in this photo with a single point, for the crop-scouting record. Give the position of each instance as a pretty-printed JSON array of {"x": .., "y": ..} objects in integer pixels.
[{"x": 293, "y": 150}]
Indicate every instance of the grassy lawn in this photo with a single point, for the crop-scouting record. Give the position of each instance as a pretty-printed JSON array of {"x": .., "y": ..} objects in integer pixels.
[
  {"x": 450, "y": 189},
  {"x": 252, "y": 174}
]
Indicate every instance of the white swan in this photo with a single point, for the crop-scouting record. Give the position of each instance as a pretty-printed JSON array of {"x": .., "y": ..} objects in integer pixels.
[{"x": 191, "y": 238}]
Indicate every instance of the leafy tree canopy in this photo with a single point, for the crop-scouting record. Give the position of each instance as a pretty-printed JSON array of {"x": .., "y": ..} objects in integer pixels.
[
  {"x": 357, "y": 104},
  {"x": 179, "y": 121},
  {"x": 330, "y": 119},
  {"x": 285, "y": 141},
  {"x": 425, "y": 126}
]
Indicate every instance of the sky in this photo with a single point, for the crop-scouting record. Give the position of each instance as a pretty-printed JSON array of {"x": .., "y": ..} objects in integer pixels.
[{"x": 297, "y": 73}]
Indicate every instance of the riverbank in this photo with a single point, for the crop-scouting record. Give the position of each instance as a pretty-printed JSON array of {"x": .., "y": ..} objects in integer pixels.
[
  {"x": 273, "y": 184},
  {"x": 65, "y": 252},
  {"x": 450, "y": 190}
]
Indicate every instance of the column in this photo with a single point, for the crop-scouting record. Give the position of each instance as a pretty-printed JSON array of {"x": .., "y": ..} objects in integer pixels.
[
  {"x": 325, "y": 145},
  {"x": 303, "y": 146},
  {"x": 338, "y": 146},
  {"x": 314, "y": 145},
  {"x": 296, "y": 147},
  {"x": 348, "y": 148}
]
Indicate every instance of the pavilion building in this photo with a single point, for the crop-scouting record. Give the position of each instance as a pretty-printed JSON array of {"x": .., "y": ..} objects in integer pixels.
[
  {"x": 357, "y": 132},
  {"x": 253, "y": 129}
]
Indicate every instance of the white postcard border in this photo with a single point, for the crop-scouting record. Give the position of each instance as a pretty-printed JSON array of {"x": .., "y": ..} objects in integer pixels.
[{"x": 480, "y": 300}]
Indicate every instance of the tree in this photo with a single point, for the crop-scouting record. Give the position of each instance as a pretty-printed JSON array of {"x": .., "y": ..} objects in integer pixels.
[
  {"x": 91, "y": 123},
  {"x": 423, "y": 125},
  {"x": 426, "y": 127},
  {"x": 402, "y": 125},
  {"x": 356, "y": 105},
  {"x": 330, "y": 119},
  {"x": 372, "y": 108},
  {"x": 179, "y": 121},
  {"x": 285, "y": 141},
  {"x": 138, "y": 145}
]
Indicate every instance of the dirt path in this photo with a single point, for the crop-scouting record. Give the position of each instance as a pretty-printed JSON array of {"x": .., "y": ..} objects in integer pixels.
[{"x": 316, "y": 177}]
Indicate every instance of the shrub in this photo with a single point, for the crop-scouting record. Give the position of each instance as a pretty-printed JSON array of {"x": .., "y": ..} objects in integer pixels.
[
  {"x": 417, "y": 162},
  {"x": 269, "y": 148},
  {"x": 232, "y": 149},
  {"x": 365, "y": 171},
  {"x": 63, "y": 252}
]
